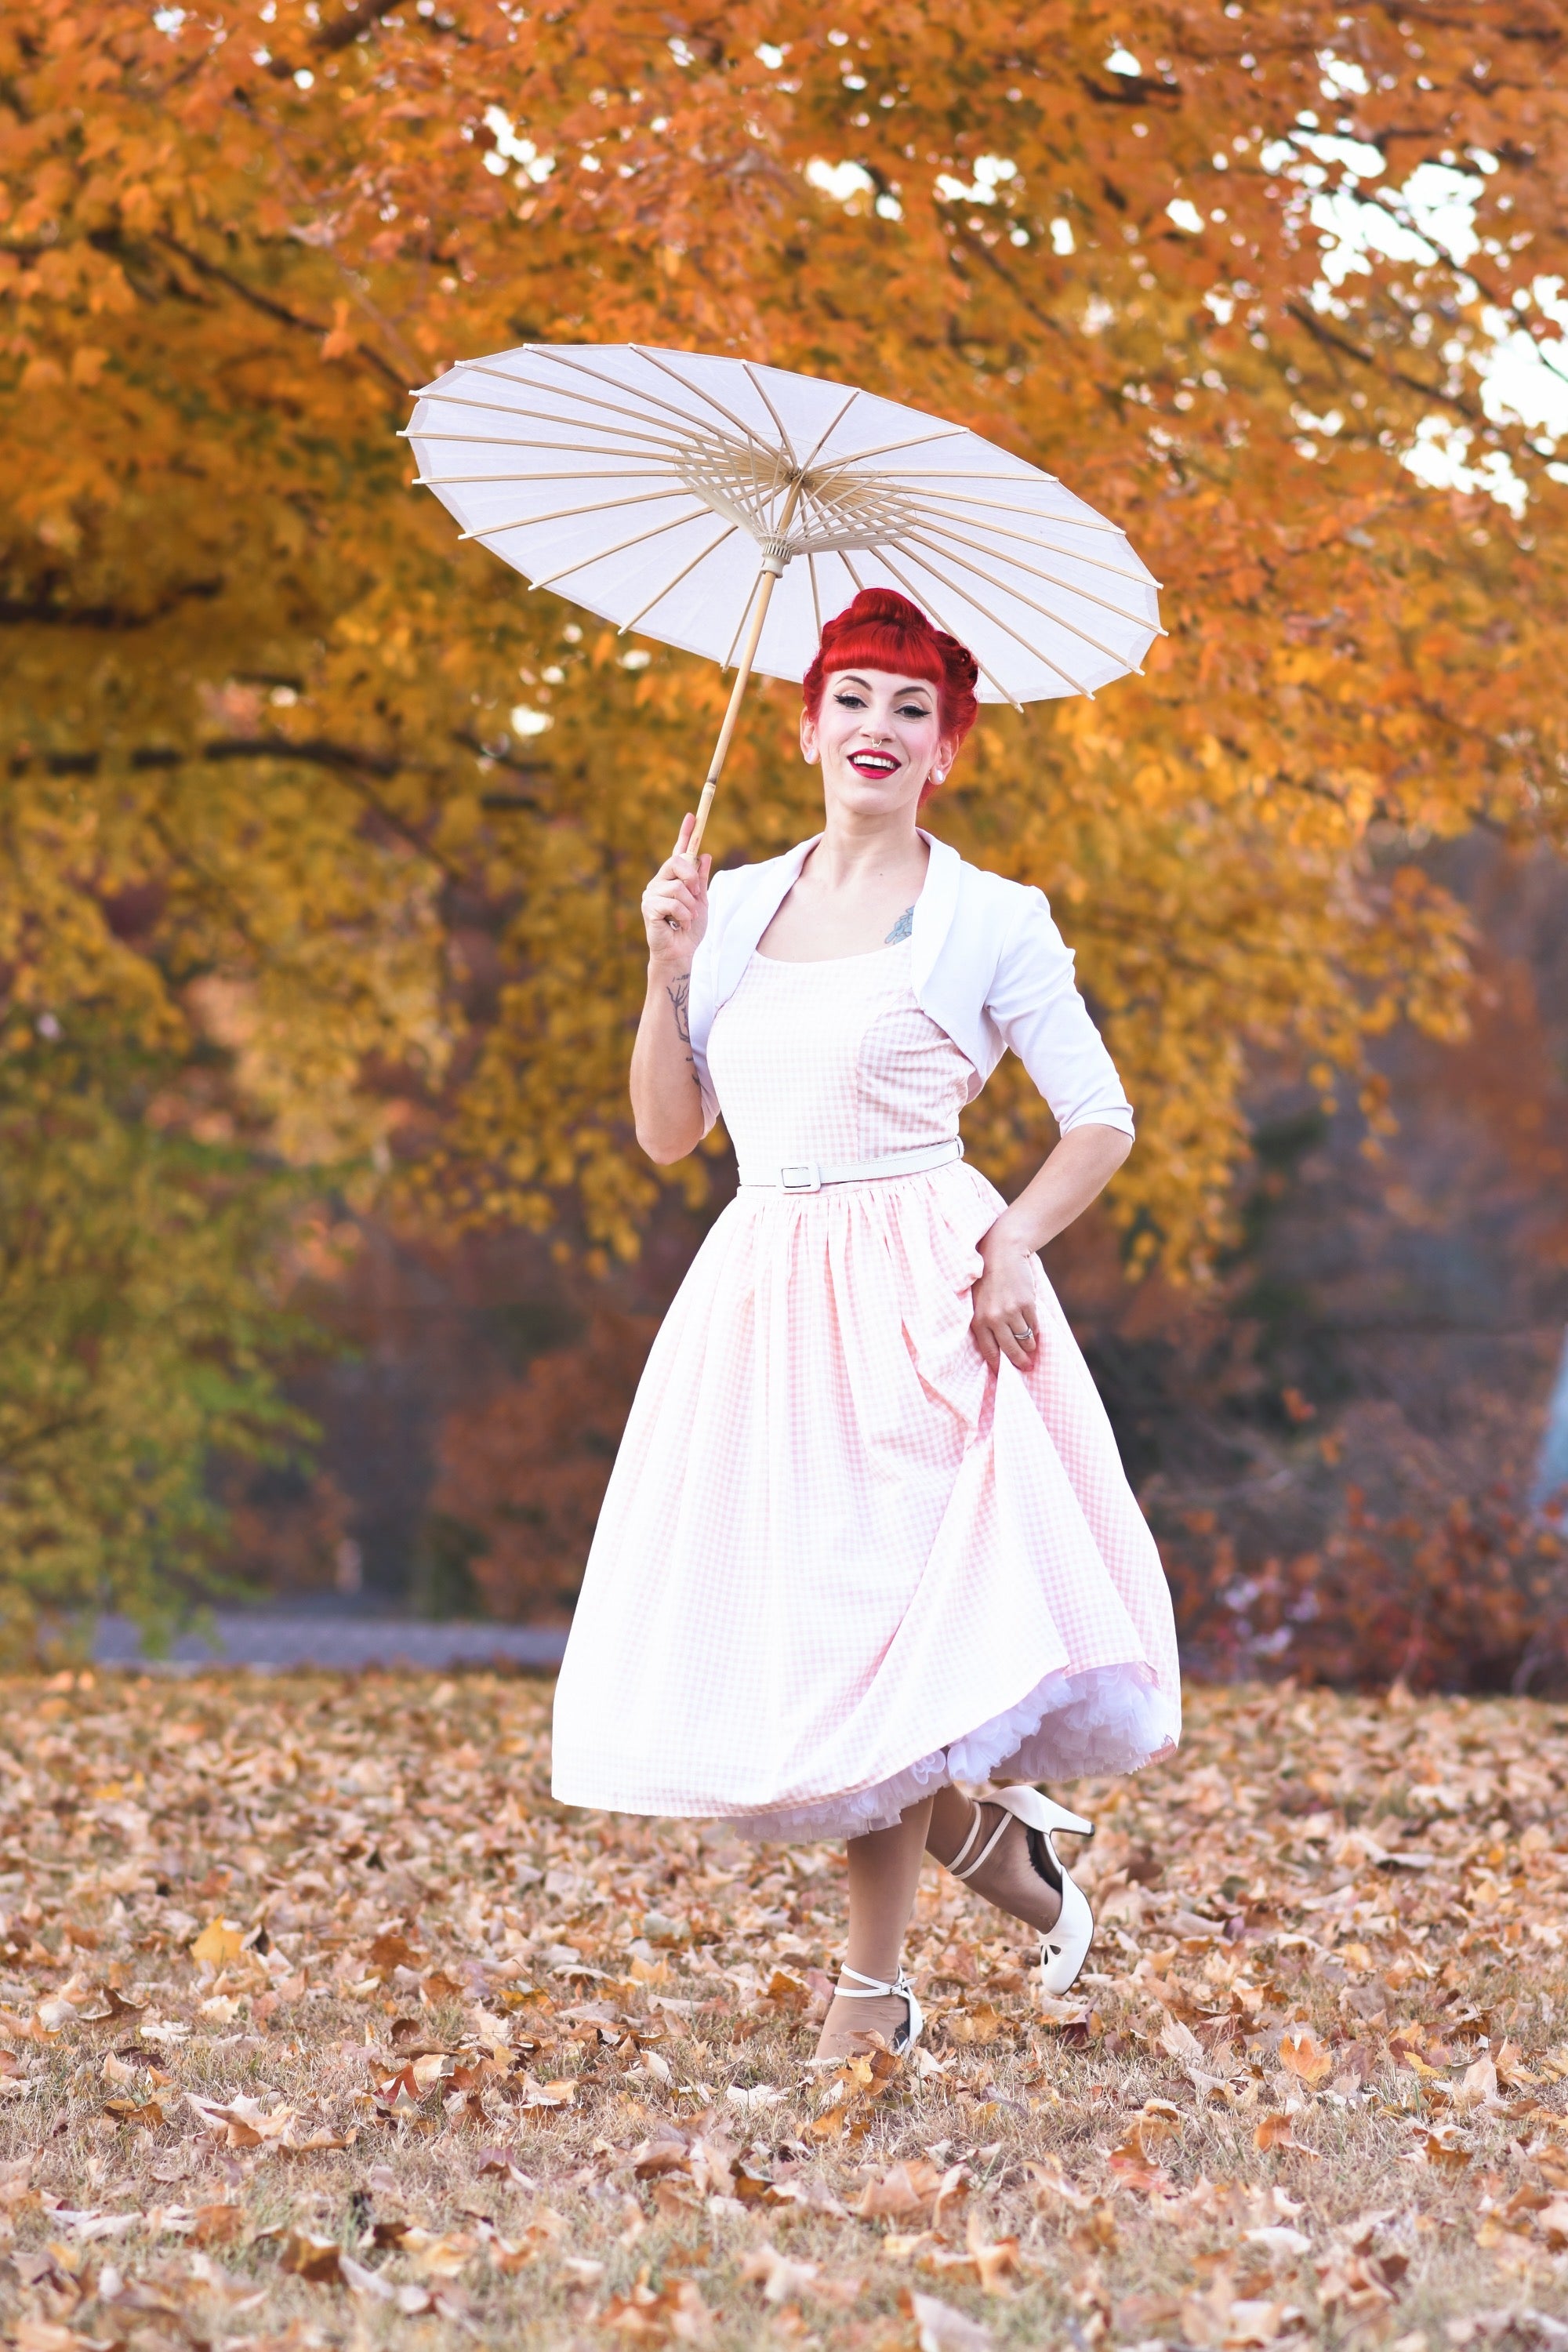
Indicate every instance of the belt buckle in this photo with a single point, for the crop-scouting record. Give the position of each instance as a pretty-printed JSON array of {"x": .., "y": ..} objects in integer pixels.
[{"x": 800, "y": 1176}]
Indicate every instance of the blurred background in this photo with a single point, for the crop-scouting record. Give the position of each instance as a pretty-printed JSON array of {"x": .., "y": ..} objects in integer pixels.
[{"x": 328, "y": 1261}]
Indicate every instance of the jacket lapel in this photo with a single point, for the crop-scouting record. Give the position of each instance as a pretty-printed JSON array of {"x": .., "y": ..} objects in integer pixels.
[
  {"x": 771, "y": 883},
  {"x": 934, "y": 910}
]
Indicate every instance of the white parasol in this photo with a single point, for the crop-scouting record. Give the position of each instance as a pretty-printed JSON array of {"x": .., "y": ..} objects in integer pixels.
[{"x": 729, "y": 508}]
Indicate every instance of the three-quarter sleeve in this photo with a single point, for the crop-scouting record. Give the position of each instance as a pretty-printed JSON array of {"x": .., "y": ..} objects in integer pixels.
[
  {"x": 702, "y": 996},
  {"x": 1034, "y": 1004}
]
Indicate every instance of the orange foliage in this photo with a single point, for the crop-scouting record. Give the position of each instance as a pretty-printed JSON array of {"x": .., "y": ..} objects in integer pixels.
[
  {"x": 520, "y": 1480},
  {"x": 257, "y": 698},
  {"x": 1463, "y": 1591}
]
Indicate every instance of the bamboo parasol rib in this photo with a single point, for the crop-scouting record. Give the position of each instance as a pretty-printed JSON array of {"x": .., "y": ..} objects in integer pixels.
[
  {"x": 564, "y": 514},
  {"x": 747, "y": 458}
]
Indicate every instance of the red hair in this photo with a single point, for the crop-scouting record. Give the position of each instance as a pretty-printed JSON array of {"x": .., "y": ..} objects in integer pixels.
[{"x": 882, "y": 630}]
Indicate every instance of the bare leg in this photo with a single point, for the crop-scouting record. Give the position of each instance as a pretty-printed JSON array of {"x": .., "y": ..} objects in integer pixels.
[
  {"x": 1009, "y": 1878},
  {"x": 950, "y": 1818},
  {"x": 884, "y": 1872}
]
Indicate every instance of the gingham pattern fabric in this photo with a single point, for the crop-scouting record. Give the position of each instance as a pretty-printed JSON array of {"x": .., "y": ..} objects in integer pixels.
[{"x": 840, "y": 1561}]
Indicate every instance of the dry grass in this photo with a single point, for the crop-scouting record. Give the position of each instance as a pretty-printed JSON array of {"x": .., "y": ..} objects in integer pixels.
[{"x": 309, "y": 1976}]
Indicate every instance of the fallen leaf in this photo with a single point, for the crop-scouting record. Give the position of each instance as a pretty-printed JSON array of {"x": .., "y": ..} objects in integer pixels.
[
  {"x": 439, "y": 2257},
  {"x": 1478, "y": 2084},
  {"x": 543, "y": 2233},
  {"x": 781, "y": 2278},
  {"x": 361, "y": 2281},
  {"x": 391, "y": 1951},
  {"x": 1144, "y": 2317},
  {"x": 1134, "y": 2170},
  {"x": 992, "y": 2263},
  {"x": 1552, "y": 2221},
  {"x": 217, "y": 2224},
  {"x": 316, "y": 2259},
  {"x": 1304, "y": 2055},
  {"x": 137, "y": 2114},
  {"x": 50, "y": 2336},
  {"x": 753, "y": 2102},
  {"x": 675, "y": 2314},
  {"x": 546, "y": 2096},
  {"x": 978, "y": 2022},
  {"x": 656, "y": 2156},
  {"x": 675, "y": 2197},
  {"x": 1280, "y": 2240},
  {"x": 905, "y": 2194},
  {"x": 1275, "y": 2131},
  {"x": 1441, "y": 2154},
  {"x": 219, "y": 1942},
  {"x": 942, "y": 2328},
  {"x": 1179, "y": 2041},
  {"x": 660, "y": 1928}
]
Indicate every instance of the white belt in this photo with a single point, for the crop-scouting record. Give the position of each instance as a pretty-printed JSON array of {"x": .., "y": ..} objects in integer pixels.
[{"x": 810, "y": 1175}]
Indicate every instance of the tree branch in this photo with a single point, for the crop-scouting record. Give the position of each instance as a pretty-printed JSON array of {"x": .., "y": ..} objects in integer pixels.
[
  {"x": 40, "y": 610},
  {"x": 312, "y": 752},
  {"x": 277, "y": 310},
  {"x": 1326, "y": 335},
  {"x": 982, "y": 253},
  {"x": 346, "y": 29}
]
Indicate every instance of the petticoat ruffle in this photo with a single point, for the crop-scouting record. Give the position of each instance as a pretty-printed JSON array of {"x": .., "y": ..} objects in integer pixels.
[{"x": 1069, "y": 1727}]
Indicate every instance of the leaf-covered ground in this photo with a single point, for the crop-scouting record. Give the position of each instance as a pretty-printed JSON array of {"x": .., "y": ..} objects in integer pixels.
[{"x": 322, "y": 2025}]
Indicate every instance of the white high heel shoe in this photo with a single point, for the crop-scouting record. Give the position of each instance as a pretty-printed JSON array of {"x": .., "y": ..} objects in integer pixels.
[
  {"x": 1063, "y": 1945},
  {"x": 872, "y": 1988}
]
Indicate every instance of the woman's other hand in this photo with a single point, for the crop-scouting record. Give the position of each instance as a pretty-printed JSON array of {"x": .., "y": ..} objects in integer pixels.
[
  {"x": 1004, "y": 1321},
  {"x": 675, "y": 908},
  {"x": 1006, "y": 1311}
]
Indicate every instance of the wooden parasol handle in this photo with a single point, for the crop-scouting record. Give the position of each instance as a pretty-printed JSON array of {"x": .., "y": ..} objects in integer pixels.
[
  {"x": 742, "y": 672},
  {"x": 772, "y": 566}
]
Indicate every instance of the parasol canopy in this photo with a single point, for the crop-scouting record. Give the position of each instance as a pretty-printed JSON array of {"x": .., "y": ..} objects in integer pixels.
[{"x": 729, "y": 508}]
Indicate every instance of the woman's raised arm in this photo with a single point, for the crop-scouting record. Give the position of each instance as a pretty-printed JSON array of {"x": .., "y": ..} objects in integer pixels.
[{"x": 666, "y": 1101}]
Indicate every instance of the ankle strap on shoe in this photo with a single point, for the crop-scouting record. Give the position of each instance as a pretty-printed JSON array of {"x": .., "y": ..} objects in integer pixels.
[{"x": 869, "y": 1987}]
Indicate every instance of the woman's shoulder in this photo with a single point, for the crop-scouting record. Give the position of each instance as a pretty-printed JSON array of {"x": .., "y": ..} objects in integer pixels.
[
  {"x": 729, "y": 886},
  {"x": 1004, "y": 929},
  {"x": 1003, "y": 905},
  {"x": 730, "y": 880}
]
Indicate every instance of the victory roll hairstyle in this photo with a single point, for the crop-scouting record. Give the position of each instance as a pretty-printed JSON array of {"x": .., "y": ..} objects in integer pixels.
[{"x": 882, "y": 630}]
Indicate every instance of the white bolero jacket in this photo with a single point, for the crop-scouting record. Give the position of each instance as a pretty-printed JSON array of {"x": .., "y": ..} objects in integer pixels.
[{"x": 987, "y": 964}]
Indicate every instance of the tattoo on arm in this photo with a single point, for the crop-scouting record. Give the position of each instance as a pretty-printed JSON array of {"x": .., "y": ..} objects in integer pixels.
[
  {"x": 679, "y": 994},
  {"x": 903, "y": 929}
]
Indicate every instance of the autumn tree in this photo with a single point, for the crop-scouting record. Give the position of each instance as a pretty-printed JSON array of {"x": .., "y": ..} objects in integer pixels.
[
  {"x": 326, "y": 807},
  {"x": 140, "y": 1338}
]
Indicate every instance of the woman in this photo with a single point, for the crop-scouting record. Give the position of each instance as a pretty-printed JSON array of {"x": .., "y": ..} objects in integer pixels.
[{"x": 867, "y": 1535}]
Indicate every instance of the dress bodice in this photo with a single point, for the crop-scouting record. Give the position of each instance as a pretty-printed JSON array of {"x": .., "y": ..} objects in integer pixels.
[{"x": 833, "y": 1061}]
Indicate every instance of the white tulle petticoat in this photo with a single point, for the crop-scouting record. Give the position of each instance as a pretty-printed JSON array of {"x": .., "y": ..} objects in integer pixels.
[{"x": 1110, "y": 1719}]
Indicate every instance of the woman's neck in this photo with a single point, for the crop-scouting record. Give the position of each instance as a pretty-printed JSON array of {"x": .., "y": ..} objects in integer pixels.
[
  {"x": 851, "y": 854},
  {"x": 852, "y": 894}
]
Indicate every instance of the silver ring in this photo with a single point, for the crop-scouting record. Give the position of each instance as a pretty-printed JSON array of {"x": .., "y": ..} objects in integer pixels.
[{"x": 1026, "y": 1333}]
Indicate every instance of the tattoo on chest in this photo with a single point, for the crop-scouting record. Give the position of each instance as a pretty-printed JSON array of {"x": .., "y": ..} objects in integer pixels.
[
  {"x": 903, "y": 929},
  {"x": 679, "y": 993}
]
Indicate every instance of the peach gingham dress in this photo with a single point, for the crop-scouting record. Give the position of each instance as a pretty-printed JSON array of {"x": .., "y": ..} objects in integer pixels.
[{"x": 840, "y": 1562}]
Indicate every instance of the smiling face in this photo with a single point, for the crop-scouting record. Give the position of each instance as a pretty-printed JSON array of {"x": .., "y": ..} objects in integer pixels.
[{"x": 879, "y": 739}]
